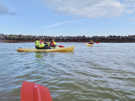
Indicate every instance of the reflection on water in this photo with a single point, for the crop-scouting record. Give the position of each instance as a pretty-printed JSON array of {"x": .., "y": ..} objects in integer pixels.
[
  {"x": 40, "y": 55},
  {"x": 104, "y": 72}
]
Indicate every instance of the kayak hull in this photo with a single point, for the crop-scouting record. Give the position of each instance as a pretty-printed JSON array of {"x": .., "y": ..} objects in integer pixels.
[{"x": 67, "y": 49}]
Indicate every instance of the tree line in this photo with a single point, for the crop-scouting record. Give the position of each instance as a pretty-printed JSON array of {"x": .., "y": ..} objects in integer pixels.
[{"x": 83, "y": 38}]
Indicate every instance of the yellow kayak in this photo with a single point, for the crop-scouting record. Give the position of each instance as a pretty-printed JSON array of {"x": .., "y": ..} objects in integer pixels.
[
  {"x": 67, "y": 49},
  {"x": 89, "y": 45}
]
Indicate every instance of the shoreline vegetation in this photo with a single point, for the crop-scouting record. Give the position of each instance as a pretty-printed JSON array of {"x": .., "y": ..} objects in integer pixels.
[{"x": 31, "y": 38}]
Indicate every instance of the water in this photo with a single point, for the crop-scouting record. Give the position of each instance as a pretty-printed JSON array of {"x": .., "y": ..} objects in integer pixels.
[{"x": 104, "y": 72}]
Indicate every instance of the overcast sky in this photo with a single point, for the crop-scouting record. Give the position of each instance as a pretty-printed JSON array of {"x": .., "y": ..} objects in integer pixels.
[{"x": 67, "y": 17}]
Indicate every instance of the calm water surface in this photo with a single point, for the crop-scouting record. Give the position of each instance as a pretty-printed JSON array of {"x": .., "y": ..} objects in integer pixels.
[{"x": 104, "y": 72}]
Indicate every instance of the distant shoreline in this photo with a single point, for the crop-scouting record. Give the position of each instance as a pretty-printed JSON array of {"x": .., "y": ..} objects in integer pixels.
[
  {"x": 14, "y": 41},
  {"x": 102, "y": 39}
]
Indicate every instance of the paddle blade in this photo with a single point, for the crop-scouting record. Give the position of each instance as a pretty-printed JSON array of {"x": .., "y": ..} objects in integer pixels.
[
  {"x": 41, "y": 93},
  {"x": 61, "y": 46},
  {"x": 27, "y": 91},
  {"x": 34, "y": 92}
]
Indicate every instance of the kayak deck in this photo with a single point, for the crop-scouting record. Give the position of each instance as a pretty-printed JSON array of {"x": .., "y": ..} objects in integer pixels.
[{"x": 67, "y": 49}]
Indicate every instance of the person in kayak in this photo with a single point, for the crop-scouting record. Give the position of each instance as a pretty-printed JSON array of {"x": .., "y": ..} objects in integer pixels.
[
  {"x": 39, "y": 44},
  {"x": 52, "y": 43},
  {"x": 91, "y": 42}
]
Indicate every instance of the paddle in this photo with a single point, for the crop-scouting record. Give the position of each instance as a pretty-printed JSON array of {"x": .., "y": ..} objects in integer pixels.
[
  {"x": 97, "y": 42},
  {"x": 34, "y": 92},
  {"x": 61, "y": 46}
]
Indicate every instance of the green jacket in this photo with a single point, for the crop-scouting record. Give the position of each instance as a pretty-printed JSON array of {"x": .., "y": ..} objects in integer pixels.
[
  {"x": 42, "y": 45},
  {"x": 37, "y": 43}
]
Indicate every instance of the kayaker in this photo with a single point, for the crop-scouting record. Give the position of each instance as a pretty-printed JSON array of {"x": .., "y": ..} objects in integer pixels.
[
  {"x": 91, "y": 42},
  {"x": 39, "y": 44},
  {"x": 53, "y": 44}
]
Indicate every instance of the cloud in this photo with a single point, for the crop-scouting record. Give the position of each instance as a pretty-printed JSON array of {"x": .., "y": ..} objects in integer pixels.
[
  {"x": 58, "y": 24},
  {"x": 93, "y": 8},
  {"x": 130, "y": 6},
  {"x": 4, "y": 10}
]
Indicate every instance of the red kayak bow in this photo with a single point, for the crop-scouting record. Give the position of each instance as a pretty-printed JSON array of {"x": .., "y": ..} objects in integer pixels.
[{"x": 34, "y": 92}]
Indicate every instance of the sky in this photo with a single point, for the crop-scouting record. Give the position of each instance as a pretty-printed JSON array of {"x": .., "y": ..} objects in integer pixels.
[{"x": 67, "y": 17}]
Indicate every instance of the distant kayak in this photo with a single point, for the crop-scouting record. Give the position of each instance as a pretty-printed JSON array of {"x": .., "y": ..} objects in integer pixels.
[
  {"x": 89, "y": 45},
  {"x": 67, "y": 49}
]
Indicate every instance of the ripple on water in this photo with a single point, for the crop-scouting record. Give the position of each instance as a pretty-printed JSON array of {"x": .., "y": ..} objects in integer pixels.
[{"x": 104, "y": 72}]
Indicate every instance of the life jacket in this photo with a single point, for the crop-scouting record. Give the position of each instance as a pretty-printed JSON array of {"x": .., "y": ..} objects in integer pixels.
[
  {"x": 41, "y": 45},
  {"x": 37, "y": 43},
  {"x": 53, "y": 43}
]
